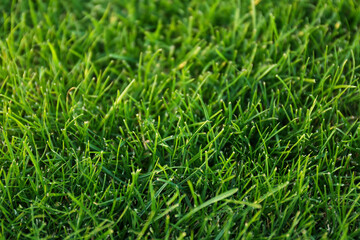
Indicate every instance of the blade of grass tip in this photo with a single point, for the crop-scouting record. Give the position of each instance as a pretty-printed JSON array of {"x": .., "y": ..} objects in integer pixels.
[
  {"x": 253, "y": 15},
  {"x": 249, "y": 204},
  {"x": 288, "y": 89},
  {"x": 116, "y": 103},
  {"x": 54, "y": 55},
  {"x": 207, "y": 203}
]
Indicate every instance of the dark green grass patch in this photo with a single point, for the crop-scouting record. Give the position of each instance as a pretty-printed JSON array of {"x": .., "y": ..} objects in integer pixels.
[{"x": 179, "y": 119}]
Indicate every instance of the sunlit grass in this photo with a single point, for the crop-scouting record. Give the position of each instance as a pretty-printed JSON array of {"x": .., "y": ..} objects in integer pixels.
[{"x": 179, "y": 119}]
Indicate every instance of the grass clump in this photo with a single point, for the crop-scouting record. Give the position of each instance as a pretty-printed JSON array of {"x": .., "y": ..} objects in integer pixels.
[{"x": 179, "y": 119}]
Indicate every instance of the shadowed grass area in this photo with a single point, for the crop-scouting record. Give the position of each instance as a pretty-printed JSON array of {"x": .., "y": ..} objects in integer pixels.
[{"x": 171, "y": 119}]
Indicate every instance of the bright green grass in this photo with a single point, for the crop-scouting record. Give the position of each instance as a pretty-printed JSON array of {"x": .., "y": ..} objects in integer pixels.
[{"x": 172, "y": 119}]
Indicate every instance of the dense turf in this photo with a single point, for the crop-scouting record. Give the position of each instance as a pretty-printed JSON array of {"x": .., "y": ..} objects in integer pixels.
[{"x": 165, "y": 119}]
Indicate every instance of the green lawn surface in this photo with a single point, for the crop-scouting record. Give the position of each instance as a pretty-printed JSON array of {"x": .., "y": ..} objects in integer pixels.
[{"x": 179, "y": 119}]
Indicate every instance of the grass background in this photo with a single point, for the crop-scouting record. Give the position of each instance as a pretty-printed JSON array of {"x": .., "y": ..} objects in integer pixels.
[{"x": 171, "y": 119}]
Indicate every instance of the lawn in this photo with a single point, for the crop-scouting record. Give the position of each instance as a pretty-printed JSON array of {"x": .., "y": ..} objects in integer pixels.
[{"x": 179, "y": 119}]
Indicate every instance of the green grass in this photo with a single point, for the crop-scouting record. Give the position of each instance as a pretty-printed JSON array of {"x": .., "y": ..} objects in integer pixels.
[{"x": 173, "y": 119}]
